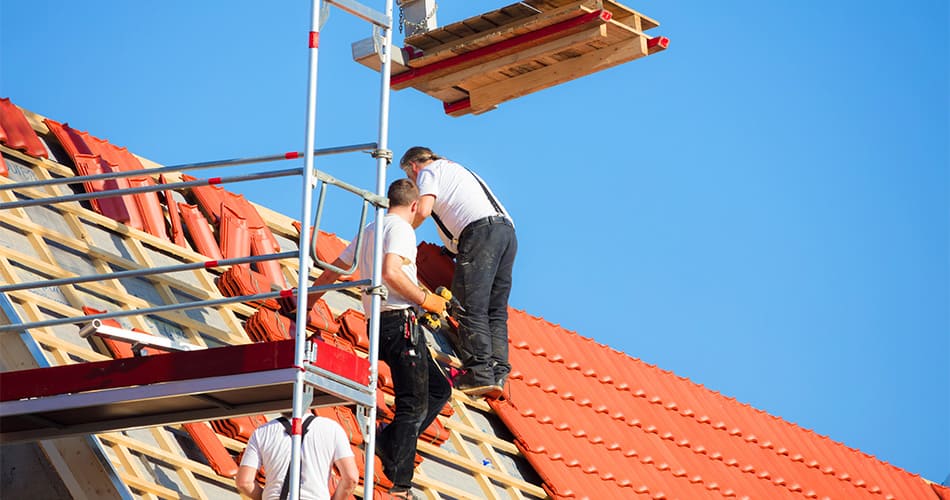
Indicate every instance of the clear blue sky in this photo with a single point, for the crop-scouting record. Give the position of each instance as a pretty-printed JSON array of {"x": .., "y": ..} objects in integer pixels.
[{"x": 762, "y": 208}]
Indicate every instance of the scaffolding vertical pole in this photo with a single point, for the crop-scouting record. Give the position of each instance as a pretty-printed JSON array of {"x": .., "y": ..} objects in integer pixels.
[
  {"x": 303, "y": 274},
  {"x": 383, "y": 156}
]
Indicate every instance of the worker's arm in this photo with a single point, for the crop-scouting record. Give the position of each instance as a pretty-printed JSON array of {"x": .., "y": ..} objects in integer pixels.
[
  {"x": 349, "y": 477},
  {"x": 289, "y": 304},
  {"x": 397, "y": 281},
  {"x": 426, "y": 202},
  {"x": 246, "y": 483}
]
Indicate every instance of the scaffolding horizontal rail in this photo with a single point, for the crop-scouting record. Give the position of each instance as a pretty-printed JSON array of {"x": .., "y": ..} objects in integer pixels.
[
  {"x": 232, "y": 162},
  {"x": 180, "y": 307},
  {"x": 32, "y": 202},
  {"x": 136, "y": 273}
]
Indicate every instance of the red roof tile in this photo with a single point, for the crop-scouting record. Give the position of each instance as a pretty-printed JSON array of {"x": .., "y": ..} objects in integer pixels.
[
  {"x": 16, "y": 132},
  {"x": 435, "y": 268},
  {"x": 199, "y": 231},
  {"x": 174, "y": 216},
  {"x": 597, "y": 423}
]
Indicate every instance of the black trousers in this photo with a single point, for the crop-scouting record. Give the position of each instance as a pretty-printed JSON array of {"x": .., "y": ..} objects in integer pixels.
[
  {"x": 421, "y": 392},
  {"x": 482, "y": 283}
]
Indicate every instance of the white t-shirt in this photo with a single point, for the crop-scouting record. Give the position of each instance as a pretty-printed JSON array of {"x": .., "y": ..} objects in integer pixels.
[
  {"x": 324, "y": 444},
  {"x": 399, "y": 238},
  {"x": 459, "y": 199}
]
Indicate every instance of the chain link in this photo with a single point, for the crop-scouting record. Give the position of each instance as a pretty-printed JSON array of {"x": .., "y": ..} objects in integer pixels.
[{"x": 420, "y": 27}]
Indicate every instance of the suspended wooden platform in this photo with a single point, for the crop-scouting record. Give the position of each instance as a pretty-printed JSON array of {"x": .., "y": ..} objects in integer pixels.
[
  {"x": 177, "y": 387},
  {"x": 476, "y": 64}
]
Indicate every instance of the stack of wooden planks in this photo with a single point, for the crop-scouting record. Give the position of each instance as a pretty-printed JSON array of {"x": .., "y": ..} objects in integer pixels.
[{"x": 476, "y": 64}]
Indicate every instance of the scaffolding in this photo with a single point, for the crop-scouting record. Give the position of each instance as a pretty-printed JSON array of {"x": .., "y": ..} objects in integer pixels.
[{"x": 61, "y": 401}]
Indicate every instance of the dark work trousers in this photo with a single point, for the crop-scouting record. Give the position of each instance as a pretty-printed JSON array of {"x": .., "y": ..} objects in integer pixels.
[
  {"x": 421, "y": 392},
  {"x": 482, "y": 282}
]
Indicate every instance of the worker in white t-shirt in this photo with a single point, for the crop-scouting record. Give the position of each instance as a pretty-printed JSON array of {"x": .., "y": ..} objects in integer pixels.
[
  {"x": 324, "y": 445},
  {"x": 420, "y": 387},
  {"x": 475, "y": 226}
]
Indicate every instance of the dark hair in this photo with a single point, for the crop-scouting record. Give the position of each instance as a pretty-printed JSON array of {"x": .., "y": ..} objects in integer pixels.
[
  {"x": 417, "y": 153},
  {"x": 402, "y": 193}
]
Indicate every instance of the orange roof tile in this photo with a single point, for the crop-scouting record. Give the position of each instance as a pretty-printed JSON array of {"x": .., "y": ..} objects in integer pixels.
[
  {"x": 597, "y": 423},
  {"x": 16, "y": 132}
]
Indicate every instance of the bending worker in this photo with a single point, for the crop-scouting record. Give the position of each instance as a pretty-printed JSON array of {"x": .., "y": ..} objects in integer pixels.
[
  {"x": 421, "y": 389},
  {"x": 476, "y": 227}
]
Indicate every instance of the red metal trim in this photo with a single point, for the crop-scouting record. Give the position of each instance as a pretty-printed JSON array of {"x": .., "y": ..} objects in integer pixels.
[
  {"x": 314, "y": 39},
  {"x": 173, "y": 367},
  {"x": 599, "y": 16},
  {"x": 296, "y": 426},
  {"x": 659, "y": 41},
  {"x": 211, "y": 263},
  {"x": 453, "y": 107},
  {"x": 291, "y": 155},
  {"x": 214, "y": 180},
  {"x": 287, "y": 293}
]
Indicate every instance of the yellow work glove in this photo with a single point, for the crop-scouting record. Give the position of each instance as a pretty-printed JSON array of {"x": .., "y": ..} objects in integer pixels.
[{"x": 434, "y": 303}]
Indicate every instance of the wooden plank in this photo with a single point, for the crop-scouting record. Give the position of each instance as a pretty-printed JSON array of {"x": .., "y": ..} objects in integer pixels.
[
  {"x": 470, "y": 26},
  {"x": 513, "y": 28},
  {"x": 502, "y": 48},
  {"x": 476, "y": 76},
  {"x": 496, "y": 93}
]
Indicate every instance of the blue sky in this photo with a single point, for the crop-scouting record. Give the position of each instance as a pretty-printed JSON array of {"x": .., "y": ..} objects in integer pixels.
[{"x": 762, "y": 208}]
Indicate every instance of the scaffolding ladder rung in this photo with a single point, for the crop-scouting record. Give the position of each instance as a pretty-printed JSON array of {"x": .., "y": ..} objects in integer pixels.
[{"x": 363, "y": 12}]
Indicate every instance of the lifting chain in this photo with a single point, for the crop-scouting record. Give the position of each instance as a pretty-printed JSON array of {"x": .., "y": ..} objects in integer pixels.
[{"x": 417, "y": 28}]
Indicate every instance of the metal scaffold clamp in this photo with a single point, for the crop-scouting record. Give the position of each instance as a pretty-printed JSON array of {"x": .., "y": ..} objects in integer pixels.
[
  {"x": 383, "y": 153},
  {"x": 380, "y": 290}
]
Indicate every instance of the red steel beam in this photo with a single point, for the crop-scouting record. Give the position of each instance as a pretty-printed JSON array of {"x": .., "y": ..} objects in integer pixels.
[{"x": 173, "y": 367}]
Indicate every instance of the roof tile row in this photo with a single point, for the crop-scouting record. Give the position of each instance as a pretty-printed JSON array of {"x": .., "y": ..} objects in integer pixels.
[{"x": 578, "y": 386}]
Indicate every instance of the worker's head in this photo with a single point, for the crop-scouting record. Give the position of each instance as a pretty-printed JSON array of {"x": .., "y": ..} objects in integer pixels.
[
  {"x": 403, "y": 193},
  {"x": 415, "y": 158}
]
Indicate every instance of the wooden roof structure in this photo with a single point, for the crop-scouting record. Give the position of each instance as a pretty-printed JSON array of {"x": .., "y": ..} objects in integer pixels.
[{"x": 474, "y": 65}]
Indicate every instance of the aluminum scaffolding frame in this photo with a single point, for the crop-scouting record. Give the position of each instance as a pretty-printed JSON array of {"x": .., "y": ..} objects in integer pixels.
[{"x": 306, "y": 374}]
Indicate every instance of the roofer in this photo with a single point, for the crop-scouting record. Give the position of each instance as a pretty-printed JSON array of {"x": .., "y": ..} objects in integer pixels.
[
  {"x": 420, "y": 387},
  {"x": 324, "y": 445},
  {"x": 475, "y": 226}
]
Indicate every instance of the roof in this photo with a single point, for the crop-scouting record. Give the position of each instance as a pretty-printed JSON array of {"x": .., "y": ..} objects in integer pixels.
[{"x": 578, "y": 420}]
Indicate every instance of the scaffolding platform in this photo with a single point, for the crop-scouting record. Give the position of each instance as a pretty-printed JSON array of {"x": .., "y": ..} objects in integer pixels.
[
  {"x": 476, "y": 64},
  {"x": 176, "y": 387}
]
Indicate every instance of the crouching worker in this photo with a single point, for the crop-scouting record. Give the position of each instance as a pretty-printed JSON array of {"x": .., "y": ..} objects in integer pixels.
[
  {"x": 421, "y": 388},
  {"x": 324, "y": 445}
]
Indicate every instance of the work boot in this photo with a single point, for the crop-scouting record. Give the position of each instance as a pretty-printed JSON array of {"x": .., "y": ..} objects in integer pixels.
[
  {"x": 402, "y": 494},
  {"x": 470, "y": 386}
]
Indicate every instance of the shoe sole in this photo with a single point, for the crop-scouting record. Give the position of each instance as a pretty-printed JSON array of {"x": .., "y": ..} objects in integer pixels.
[{"x": 492, "y": 391}]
